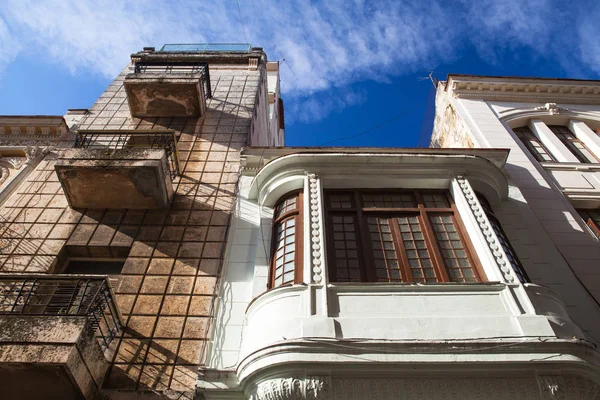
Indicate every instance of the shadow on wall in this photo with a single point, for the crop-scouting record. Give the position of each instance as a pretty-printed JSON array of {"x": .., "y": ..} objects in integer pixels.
[{"x": 557, "y": 252}]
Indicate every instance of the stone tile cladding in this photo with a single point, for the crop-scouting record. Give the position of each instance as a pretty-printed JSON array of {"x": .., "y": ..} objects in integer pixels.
[{"x": 167, "y": 286}]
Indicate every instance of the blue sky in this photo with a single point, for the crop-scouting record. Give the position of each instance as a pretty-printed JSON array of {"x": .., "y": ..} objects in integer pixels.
[{"x": 350, "y": 65}]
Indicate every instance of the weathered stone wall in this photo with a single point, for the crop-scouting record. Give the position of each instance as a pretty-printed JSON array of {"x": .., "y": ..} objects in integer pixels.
[
  {"x": 449, "y": 130},
  {"x": 166, "y": 288}
]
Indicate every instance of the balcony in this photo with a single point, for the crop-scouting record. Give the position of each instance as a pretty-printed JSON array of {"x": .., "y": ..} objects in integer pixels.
[
  {"x": 134, "y": 169},
  {"x": 161, "y": 88},
  {"x": 54, "y": 330}
]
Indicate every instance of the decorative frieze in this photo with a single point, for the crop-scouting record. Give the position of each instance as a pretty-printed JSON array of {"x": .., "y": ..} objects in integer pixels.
[
  {"x": 292, "y": 388},
  {"x": 316, "y": 223},
  {"x": 483, "y": 223},
  {"x": 534, "y": 90},
  {"x": 568, "y": 387},
  {"x": 559, "y": 387}
]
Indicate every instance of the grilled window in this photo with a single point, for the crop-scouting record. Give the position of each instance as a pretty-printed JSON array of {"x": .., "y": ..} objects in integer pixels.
[
  {"x": 286, "y": 260},
  {"x": 592, "y": 219},
  {"x": 503, "y": 239},
  {"x": 408, "y": 236},
  {"x": 533, "y": 144},
  {"x": 574, "y": 145}
]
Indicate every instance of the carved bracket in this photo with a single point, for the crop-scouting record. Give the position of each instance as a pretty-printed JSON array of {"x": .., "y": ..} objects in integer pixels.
[{"x": 552, "y": 108}]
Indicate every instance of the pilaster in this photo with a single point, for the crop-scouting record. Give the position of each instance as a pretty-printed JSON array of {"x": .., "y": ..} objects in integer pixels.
[
  {"x": 586, "y": 135},
  {"x": 560, "y": 152}
]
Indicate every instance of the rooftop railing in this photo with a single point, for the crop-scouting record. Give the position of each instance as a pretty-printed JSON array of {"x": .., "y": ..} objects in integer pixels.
[
  {"x": 207, "y": 48},
  {"x": 176, "y": 67},
  {"x": 123, "y": 139},
  {"x": 63, "y": 295}
]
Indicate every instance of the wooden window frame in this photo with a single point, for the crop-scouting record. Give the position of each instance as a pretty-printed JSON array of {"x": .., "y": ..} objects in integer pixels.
[
  {"x": 584, "y": 213},
  {"x": 569, "y": 144},
  {"x": 526, "y": 141},
  {"x": 365, "y": 250},
  {"x": 298, "y": 215}
]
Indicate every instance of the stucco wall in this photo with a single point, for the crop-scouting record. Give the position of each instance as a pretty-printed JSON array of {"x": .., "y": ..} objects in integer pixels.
[
  {"x": 449, "y": 130},
  {"x": 547, "y": 234}
]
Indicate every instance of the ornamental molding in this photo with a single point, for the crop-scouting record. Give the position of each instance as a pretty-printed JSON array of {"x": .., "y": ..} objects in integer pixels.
[
  {"x": 552, "y": 108},
  {"x": 486, "y": 229},
  {"x": 4, "y": 174},
  {"x": 432, "y": 389},
  {"x": 545, "y": 387},
  {"x": 525, "y": 90},
  {"x": 316, "y": 223},
  {"x": 292, "y": 388},
  {"x": 568, "y": 387},
  {"x": 15, "y": 162},
  {"x": 385, "y": 170}
]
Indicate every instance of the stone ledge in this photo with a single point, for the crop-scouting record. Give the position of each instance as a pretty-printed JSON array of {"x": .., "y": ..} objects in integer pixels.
[{"x": 115, "y": 179}]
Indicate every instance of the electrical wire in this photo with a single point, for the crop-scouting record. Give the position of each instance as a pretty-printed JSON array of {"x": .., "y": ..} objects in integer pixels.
[
  {"x": 285, "y": 61},
  {"x": 374, "y": 127},
  {"x": 242, "y": 20}
]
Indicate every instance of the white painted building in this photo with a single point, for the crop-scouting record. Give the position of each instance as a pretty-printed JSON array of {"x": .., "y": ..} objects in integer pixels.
[{"x": 462, "y": 271}]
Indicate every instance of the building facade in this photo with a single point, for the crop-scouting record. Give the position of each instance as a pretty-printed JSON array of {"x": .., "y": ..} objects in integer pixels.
[
  {"x": 138, "y": 188},
  {"x": 466, "y": 270},
  {"x": 164, "y": 244}
]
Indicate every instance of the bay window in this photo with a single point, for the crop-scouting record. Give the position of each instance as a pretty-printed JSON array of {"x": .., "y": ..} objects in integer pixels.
[
  {"x": 286, "y": 260},
  {"x": 397, "y": 236}
]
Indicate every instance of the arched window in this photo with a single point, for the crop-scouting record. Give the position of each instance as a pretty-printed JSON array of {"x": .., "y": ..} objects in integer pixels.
[{"x": 286, "y": 259}]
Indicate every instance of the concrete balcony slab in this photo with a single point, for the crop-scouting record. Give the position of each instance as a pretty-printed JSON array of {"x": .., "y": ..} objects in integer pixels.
[
  {"x": 129, "y": 178},
  {"x": 165, "y": 94}
]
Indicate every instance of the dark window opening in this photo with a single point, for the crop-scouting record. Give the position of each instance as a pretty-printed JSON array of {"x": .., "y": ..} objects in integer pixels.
[
  {"x": 575, "y": 146},
  {"x": 503, "y": 239},
  {"x": 533, "y": 144}
]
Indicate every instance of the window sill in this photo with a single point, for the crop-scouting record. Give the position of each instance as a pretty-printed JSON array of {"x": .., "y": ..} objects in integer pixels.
[
  {"x": 571, "y": 166},
  {"x": 371, "y": 287}
]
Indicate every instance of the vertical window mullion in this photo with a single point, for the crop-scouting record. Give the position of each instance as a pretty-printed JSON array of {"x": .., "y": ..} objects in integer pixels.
[
  {"x": 438, "y": 260},
  {"x": 400, "y": 251},
  {"x": 439, "y": 265}
]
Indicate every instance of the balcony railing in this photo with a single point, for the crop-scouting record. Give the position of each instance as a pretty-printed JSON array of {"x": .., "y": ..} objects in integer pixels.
[
  {"x": 176, "y": 67},
  {"x": 207, "y": 48},
  {"x": 122, "y": 139},
  {"x": 63, "y": 295}
]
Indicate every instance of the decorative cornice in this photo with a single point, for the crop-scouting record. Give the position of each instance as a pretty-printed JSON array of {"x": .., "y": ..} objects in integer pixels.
[
  {"x": 387, "y": 170},
  {"x": 292, "y": 388},
  {"x": 483, "y": 223},
  {"x": 525, "y": 90},
  {"x": 316, "y": 240}
]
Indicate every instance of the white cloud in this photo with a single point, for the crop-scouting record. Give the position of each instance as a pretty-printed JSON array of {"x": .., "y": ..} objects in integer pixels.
[
  {"x": 9, "y": 46},
  {"x": 329, "y": 44}
]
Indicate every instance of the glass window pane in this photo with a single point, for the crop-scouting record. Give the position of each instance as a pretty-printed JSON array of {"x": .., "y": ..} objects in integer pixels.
[
  {"x": 345, "y": 260},
  {"x": 453, "y": 253}
]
